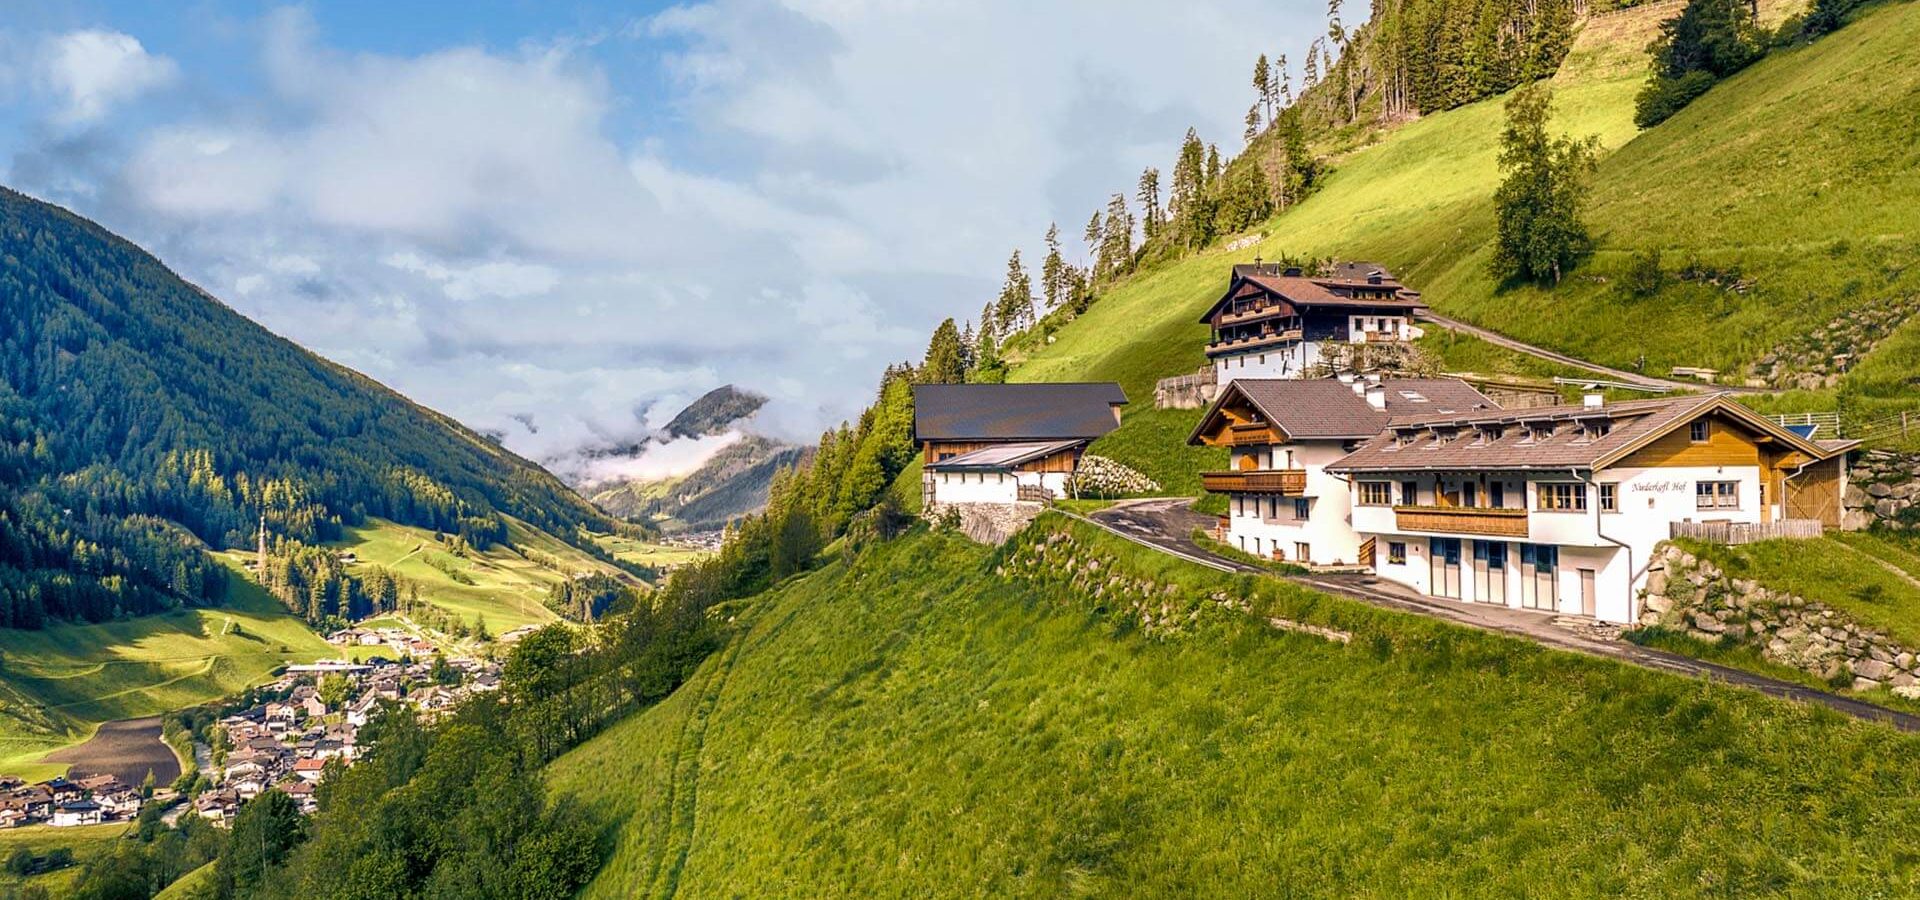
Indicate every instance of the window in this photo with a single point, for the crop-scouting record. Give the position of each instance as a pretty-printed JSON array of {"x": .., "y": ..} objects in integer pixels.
[
  {"x": 1301, "y": 508},
  {"x": 1410, "y": 493},
  {"x": 1497, "y": 495},
  {"x": 1699, "y": 431},
  {"x": 1563, "y": 496},
  {"x": 1539, "y": 432},
  {"x": 1376, "y": 493},
  {"x": 1609, "y": 498},
  {"x": 1397, "y": 553},
  {"x": 1302, "y": 552},
  {"x": 1716, "y": 495},
  {"x": 1593, "y": 431}
]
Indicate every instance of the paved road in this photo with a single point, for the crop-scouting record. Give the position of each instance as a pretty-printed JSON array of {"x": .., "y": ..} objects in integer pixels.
[
  {"x": 1167, "y": 525},
  {"x": 1496, "y": 338}
]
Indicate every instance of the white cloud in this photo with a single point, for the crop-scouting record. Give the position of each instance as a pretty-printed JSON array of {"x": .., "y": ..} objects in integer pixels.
[
  {"x": 668, "y": 459},
  {"x": 508, "y": 236},
  {"x": 94, "y": 71}
]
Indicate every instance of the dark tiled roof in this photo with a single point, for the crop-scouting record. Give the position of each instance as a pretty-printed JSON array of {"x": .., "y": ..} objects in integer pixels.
[
  {"x": 1630, "y": 425},
  {"x": 1330, "y": 288},
  {"x": 1330, "y": 409},
  {"x": 1015, "y": 412}
]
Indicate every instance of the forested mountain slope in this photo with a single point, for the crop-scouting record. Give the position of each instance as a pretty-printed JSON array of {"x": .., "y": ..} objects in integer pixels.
[
  {"x": 1073, "y": 715},
  {"x": 1780, "y": 202},
  {"x": 141, "y": 421}
]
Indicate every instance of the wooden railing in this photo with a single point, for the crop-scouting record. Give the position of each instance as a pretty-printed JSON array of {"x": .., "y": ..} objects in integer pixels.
[
  {"x": 1257, "y": 481},
  {"x": 1249, "y": 314},
  {"x": 1748, "y": 532},
  {"x": 1462, "y": 520},
  {"x": 1250, "y": 433},
  {"x": 1259, "y": 340}
]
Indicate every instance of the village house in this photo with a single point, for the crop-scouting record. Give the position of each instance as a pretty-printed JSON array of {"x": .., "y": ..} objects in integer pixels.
[
  {"x": 1280, "y": 436},
  {"x": 1559, "y": 508},
  {"x": 302, "y": 794},
  {"x": 1008, "y": 443},
  {"x": 1277, "y": 321},
  {"x": 217, "y": 806},
  {"x": 309, "y": 769},
  {"x": 77, "y": 812}
]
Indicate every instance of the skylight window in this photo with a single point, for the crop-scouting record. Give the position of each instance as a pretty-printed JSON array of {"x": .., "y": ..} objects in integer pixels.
[{"x": 1414, "y": 396}]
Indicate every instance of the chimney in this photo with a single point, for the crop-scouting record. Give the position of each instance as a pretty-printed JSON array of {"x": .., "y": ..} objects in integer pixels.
[
  {"x": 1376, "y": 395},
  {"x": 1593, "y": 399}
]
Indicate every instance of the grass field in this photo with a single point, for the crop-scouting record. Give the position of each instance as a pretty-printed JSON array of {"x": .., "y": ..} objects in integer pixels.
[
  {"x": 85, "y": 842},
  {"x": 60, "y": 683},
  {"x": 917, "y": 725},
  {"x": 508, "y": 588},
  {"x": 1818, "y": 225},
  {"x": 645, "y": 553},
  {"x": 190, "y": 886}
]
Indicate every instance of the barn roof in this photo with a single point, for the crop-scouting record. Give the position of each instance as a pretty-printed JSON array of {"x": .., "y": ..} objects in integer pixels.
[{"x": 1015, "y": 412}]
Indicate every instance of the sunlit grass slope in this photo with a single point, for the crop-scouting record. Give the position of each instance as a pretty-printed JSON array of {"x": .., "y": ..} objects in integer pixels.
[
  {"x": 58, "y": 684},
  {"x": 1802, "y": 173},
  {"x": 918, "y": 725},
  {"x": 86, "y": 843},
  {"x": 508, "y": 588}
]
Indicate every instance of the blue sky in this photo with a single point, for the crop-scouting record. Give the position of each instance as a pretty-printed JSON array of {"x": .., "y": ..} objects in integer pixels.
[{"x": 559, "y": 221}]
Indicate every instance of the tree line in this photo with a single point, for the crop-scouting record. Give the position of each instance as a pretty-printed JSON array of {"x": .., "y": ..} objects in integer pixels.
[{"x": 128, "y": 396}]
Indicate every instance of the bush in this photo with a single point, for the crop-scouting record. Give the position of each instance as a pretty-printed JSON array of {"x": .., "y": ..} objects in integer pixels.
[
  {"x": 20, "y": 862},
  {"x": 1662, "y": 97},
  {"x": 1644, "y": 276}
]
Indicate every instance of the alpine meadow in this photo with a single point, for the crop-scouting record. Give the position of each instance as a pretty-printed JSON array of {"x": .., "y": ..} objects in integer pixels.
[{"x": 793, "y": 450}]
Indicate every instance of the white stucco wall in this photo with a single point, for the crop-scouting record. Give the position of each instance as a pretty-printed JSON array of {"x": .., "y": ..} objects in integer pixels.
[
  {"x": 1259, "y": 522},
  {"x": 1276, "y": 362},
  {"x": 992, "y": 487},
  {"x": 1615, "y": 545}
]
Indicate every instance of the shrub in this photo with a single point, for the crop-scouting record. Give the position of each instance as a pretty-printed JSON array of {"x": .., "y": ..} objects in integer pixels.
[
  {"x": 1662, "y": 97},
  {"x": 1644, "y": 276}
]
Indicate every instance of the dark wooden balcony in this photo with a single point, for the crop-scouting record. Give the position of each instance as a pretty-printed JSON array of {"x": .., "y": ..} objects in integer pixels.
[
  {"x": 1254, "y": 342},
  {"x": 1258, "y": 481},
  {"x": 1462, "y": 520}
]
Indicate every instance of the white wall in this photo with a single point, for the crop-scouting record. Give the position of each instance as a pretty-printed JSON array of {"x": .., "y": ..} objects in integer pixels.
[
  {"x": 1615, "y": 545},
  {"x": 993, "y": 487},
  {"x": 1259, "y": 522},
  {"x": 1285, "y": 361}
]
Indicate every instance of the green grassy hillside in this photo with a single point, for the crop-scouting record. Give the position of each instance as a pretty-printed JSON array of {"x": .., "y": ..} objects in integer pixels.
[
  {"x": 59, "y": 683},
  {"x": 85, "y": 843},
  {"x": 1738, "y": 181},
  {"x": 504, "y": 585},
  {"x": 934, "y": 721}
]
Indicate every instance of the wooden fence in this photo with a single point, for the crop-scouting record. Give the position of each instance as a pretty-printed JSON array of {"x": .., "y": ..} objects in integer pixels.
[{"x": 1748, "y": 532}]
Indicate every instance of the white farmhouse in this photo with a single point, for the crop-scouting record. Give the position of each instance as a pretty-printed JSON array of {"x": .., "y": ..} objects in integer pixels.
[
  {"x": 1008, "y": 443},
  {"x": 1280, "y": 321},
  {"x": 1281, "y": 434},
  {"x": 1559, "y": 508}
]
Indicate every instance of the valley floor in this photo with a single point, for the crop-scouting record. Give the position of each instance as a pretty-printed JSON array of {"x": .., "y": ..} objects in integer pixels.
[{"x": 1075, "y": 715}]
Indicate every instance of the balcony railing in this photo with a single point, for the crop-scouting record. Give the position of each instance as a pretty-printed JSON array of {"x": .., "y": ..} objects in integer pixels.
[
  {"x": 1251, "y": 343},
  {"x": 1250, "y": 434},
  {"x": 1252, "y": 314},
  {"x": 1462, "y": 520},
  {"x": 1379, "y": 337},
  {"x": 1257, "y": 481}
]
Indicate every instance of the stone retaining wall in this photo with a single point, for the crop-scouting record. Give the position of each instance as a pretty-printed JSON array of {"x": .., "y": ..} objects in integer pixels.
[
  {"x": 1883, "y": 488},
  {"x": 985, "y": 523},
  {"x": 1695, "y": 597}
]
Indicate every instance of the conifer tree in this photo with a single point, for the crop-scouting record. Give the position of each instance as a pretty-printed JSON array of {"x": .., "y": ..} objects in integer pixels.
[
  {"x": 1014, "y": 308},
  {"x": 1053, "y": 272},
  {"x": 1262, "y": 88},
  {"x": 1116, "y": 245},
  {"x": 1095, "y": 231},
  {"x": 1285, "y": 88},
  {"x": 1311, "y": 74},
  {"x": 1149, "y": 198},
  {"x": 944, "y": 363}
]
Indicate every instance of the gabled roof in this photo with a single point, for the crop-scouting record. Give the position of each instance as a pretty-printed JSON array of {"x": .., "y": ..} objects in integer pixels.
[
  {"x": 1015, "y": 412},
  {"x": 1001, "y": 457},
  {"x": 1331, "y": 409},
  {"x": 1631, "y": 425},
  {"x": 1331, "y": 287}
]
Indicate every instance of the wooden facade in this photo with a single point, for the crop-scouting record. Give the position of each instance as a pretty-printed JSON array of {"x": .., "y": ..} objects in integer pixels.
[
  {"x": 1805, "y": 487},
  {"x": 1065, "y": 461}
]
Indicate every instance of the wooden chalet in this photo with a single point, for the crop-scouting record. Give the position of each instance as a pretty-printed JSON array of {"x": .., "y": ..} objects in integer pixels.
[
  {"x": 1006, "y": 443},
  {"x": 1275, "y": 321}
]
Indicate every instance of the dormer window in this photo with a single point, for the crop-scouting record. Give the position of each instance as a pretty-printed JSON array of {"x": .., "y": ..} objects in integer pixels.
[
  {"x": 1444, "y": 436},
  {"x": 1595, "y": 430},
  {"x": 1487, "y": 434},
  {"x": 1539, "y": 431},
  {"x": 1403, "y": 439}
]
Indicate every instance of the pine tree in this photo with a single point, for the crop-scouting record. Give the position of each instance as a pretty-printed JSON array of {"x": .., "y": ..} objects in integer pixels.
[
  {"x": 1540, "y": 204},
  {"x": 1285, "y": 88},
  {"x": 1253, "y": 124},
  {"x": 1149, "y": 197},
  {"x": 1053, "y": 272},
  {"x": 944, "y": 363},
  {"x": 1116, "y": 245},
  {"x": 1311, "y": 75},
  {"x": 1262, "y": 89},
  {"x": 1095, "y": 230},
  {"x": 1186, "y": 199},
  {"x": 968, "y": 341},
  {"x": 1014, "y": 309}
]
